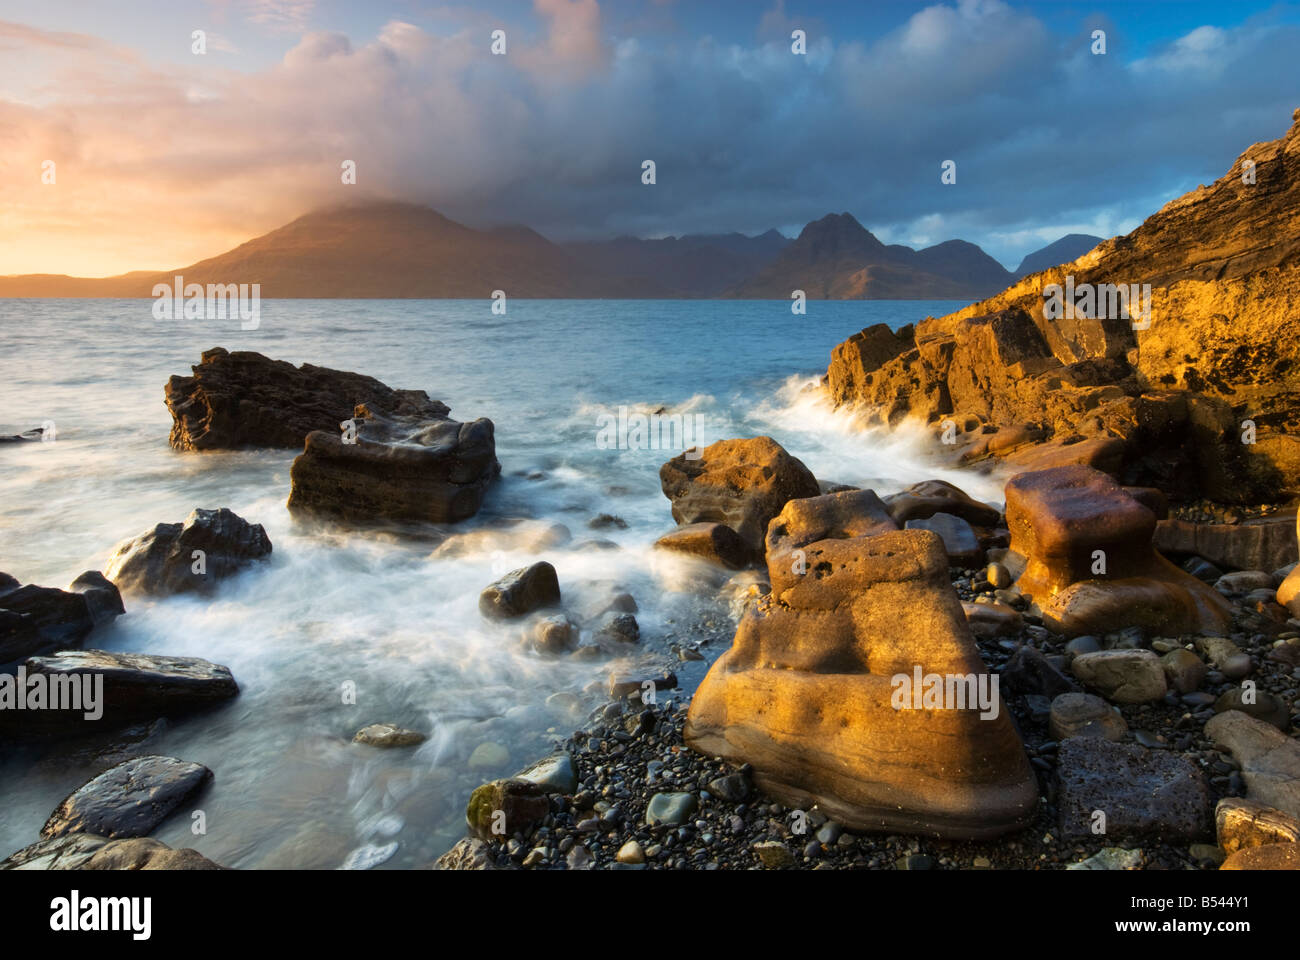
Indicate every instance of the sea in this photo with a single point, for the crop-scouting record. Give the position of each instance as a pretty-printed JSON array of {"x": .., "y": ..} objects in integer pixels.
[{"x": 394, "y": 617}]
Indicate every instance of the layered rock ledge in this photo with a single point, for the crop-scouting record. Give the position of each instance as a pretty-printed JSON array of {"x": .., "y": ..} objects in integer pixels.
[{"x": 1166, "y": 404}]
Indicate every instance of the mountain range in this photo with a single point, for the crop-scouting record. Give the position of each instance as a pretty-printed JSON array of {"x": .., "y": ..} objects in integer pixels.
[{"x": 403, "y": 250}]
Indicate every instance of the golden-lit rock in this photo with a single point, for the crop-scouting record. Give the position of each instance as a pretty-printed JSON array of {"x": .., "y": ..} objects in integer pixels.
[
  {"x": 807, "y": 695},
  {"x": 1090, "y": 567}
]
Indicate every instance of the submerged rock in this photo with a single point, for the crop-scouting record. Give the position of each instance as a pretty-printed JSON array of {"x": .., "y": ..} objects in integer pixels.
[
  {"x": 388, "y": 735},
  {"x": 806, "y": 695},
  {"x": 742, "y": 483},
  {"x": 520, "y": 592},
  {"x": 128, "y": 800},
  {"x": 192, "y": 556}
]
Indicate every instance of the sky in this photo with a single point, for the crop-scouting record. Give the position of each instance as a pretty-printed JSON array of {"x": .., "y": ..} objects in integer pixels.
[{"x": 160, "y": 155}]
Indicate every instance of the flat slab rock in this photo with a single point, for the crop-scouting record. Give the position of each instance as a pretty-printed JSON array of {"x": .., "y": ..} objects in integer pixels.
[
  {"x": 87, "y": 851},
  {"x": 138, "y": 685},
  {"x": 1142, "y": 793},
  {"x": 128, "y": 800}
]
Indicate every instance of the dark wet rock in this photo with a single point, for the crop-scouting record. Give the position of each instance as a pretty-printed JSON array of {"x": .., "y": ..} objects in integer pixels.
[
  {"x": 618, "y": 628},
  {"x": 604, "y": 521},
  {"x": 1029, "y": 672},
  {"x": 195, "y": 555},
  {"x": 732, "y": 788},
  {"x": 244, "y": 399},
  {"x": 36, "y": 620},
  {"x": 128, "y": 800},
  {"x": 1140, "y": 793},
  {"x": 139, "y": 686},
  {"x": 388, "y": 735},
  {"x": 520, "y": 592},
  {"x": 715, "y": 542},
  {"x": 1259, "y": 704},
  {"x": 86, "y": 851}
]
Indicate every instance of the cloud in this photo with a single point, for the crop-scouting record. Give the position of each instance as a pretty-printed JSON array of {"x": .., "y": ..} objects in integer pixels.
[{"x": 162, "y": 166}]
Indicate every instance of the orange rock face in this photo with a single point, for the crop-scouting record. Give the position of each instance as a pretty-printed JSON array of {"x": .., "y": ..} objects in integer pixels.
[
  {"x": 1090, "y": 566},
  {"x": 806, "y": 694},
  {"x": 742, "y": 483},
  {"x": 1220, "y": 347}
]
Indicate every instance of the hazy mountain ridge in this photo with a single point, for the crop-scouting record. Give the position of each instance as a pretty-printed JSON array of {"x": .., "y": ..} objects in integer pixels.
[{"x": 401, "y": 250}]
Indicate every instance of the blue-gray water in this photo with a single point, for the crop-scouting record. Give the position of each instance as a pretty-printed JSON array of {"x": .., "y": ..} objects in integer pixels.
[{"x": 396, "y": 618}]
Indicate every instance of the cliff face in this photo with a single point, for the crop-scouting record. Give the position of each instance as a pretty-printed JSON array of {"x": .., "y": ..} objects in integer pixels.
[{"x": 1162, "y": 401}]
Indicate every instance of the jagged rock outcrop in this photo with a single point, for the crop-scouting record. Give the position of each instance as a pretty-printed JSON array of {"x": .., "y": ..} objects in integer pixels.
[
  {"x": 244, "y": 399},
  {"x": 1165, "y": 404},
  {"x": 806, "y": 694},
  {"x": 741, "y": 483},
  {"x": 402, "y": 458},
  {"x": 36, "y": 620},
  {"x": 1089, "y": 564},
  {"x": 192, "y": 556}
]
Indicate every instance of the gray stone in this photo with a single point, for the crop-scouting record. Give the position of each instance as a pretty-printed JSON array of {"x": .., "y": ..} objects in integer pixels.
[
  {"x": 1084, "y": 715},
  {"x": 958, "y": 538},
  {"x": 1123, "y": 676},
  {"x": 1269, "y": 759},
  {"x": 670, "y": 809},
  {"x": 554, "y": 774}
]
